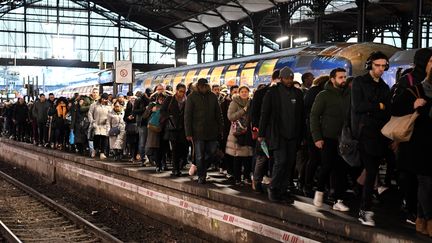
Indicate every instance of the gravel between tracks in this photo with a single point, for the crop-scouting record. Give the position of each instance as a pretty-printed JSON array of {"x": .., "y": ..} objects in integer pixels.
[{"x": 127, "y": 225}]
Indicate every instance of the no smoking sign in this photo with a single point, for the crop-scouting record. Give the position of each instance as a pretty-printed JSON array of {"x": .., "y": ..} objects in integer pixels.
[{"x": 123, "y": 72}]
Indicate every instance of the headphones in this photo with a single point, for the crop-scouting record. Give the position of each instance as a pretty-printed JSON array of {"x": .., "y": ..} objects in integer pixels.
[{"x": 375, "y": 56}]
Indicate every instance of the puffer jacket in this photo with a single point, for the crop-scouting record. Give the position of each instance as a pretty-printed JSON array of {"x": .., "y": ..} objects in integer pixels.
[
  {"x": 116, "y": 120},
  {"x": 329, "y": 112},
  {"x": 98, "y": 117},
  {"x": 203, "y": 116},
  {"x": 235, "y": 112}
]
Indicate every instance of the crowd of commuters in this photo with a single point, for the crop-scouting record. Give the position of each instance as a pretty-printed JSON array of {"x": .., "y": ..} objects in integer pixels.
[{"x": 280, "y": 138}]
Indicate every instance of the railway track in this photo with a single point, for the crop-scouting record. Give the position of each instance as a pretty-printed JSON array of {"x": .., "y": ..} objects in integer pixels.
[{"x": 28, "y": 216}]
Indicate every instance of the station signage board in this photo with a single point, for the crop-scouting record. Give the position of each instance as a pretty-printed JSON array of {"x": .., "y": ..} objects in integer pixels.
[{"x": 123, "y": 72}]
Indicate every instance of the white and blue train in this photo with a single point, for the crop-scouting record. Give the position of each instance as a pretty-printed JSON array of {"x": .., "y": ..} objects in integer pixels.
[{"x": 319, "y": 59}]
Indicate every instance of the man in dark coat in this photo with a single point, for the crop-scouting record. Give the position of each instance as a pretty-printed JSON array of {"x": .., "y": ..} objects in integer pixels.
[
  {"x": 138, "y": 111},
  {"x": 281, "y": 125},
  {"x": 203, "y": 125},
  {"x": 370, "y": 111},
  {"x": 262, "y": 163},
  {"x": 40, "y": 113}
]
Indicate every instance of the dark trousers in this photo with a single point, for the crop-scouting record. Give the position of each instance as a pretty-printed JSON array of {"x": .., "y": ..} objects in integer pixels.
[
  {"x": 312, "y": 164},
  {"x": 246, "y": 162},
  {"x": 371, "y": 165},
  {"x": 43, "y": 132},
  {"x": 179, "y": 148},
  {"x": 20, "y": 128},
  {"x": 204, "y": 152},
  {"x": 408, "y": 187},
  {"x": 284, "y": 162},
  {"x": 100, "y": 143},
  {"x": 332, "y": 163},
  {"x": 424, "y": 195}
]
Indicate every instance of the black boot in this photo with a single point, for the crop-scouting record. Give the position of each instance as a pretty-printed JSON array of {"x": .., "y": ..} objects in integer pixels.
[{"x": 273, "y": 195}]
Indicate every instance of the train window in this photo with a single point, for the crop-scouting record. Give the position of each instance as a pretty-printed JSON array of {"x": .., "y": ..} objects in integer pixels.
[
  {"x": 203, "y": 73},
  {"x": 190, "y": 76},
  {"x": 178, "y": 78},
  {"x": 167, "y": 79},
  {"x": 250, "y": 65},
  {"x": 267, "y": 67},
  {"x": 247, "y": 77},
  {"x": 234, "y": 67},
  {"x": 147, "y": 81},
  {"x": 231, "y": 78},
  {"x": 216, "y": 74},
  {"x": 158, "y": 79}
]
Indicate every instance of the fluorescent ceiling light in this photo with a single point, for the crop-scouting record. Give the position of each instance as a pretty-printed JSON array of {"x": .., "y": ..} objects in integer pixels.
[
  {"x": 282, "y": 39},
  {"x": 300, "y": 39},
  {"x": 182, "y": 60}
]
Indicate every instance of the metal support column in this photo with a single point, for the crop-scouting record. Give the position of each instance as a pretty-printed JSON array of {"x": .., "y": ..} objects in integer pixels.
[
  {"x": 181, "y": 50},
  {"x": 119, "y": 38},
  {"x": 25, "y": 29},
  {"x": 234, "y": 30},
  {"x": 88, "y": 31},
  {"x": 199, "y": 44},
  {"x": 284, "y": 22},
  {"x": 417, "y": 24},
  {"x": 361, "y": 20},
  {"x": 215, "y": 35}
]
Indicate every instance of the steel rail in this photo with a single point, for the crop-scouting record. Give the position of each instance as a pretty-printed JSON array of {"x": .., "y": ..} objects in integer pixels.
[{"x": 78, "y": 220}]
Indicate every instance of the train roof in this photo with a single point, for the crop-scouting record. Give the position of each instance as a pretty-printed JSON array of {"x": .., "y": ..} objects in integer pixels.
[{"x": 351, "y": 51}]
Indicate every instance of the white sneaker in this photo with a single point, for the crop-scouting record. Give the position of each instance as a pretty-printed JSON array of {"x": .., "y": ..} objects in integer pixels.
[
  {"x": 93, "y": 153},
  {"x": 102, "y": 156},
  {"x": 366, "y": 218},
  {"x": 340, "y": 206},
  {"x": 318, "y": 199}
]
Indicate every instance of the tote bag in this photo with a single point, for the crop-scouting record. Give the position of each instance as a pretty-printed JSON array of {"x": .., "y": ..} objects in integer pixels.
[{"x": 400, "y": 128}]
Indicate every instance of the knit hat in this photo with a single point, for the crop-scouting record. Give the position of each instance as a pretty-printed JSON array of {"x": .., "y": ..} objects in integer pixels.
[
  {"x": 286, "y": 72},
  {"x": 202, "y": 81}
]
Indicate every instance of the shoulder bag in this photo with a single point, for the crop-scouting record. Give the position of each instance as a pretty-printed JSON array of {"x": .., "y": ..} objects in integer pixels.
[{"x": 400, "y": 128}]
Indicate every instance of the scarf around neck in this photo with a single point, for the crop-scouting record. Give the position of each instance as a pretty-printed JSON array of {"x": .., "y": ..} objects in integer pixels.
[{"x": 61, "y": 110}]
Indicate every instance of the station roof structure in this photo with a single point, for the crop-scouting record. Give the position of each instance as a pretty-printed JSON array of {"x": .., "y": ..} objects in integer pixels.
[{"x": 178, "y": 19}]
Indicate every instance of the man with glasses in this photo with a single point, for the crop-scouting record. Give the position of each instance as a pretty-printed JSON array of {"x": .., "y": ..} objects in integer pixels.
[{"x": 370, "y": 111}]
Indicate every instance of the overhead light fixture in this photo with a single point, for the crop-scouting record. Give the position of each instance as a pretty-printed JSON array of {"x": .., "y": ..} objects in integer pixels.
[
  {"x": 282, "y": 39},
  {"x": 182, "y": 60},
  {"x": 300, "y": 39}
]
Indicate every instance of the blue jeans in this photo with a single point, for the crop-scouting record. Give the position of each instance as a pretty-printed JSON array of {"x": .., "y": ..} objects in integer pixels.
[{"x": 204, "y": 151}]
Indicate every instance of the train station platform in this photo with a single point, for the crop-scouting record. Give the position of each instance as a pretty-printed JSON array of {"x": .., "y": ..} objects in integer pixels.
[{"x": 218, "y": 211}]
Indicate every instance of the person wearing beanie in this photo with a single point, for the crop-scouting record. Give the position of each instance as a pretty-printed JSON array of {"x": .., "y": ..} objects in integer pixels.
[
  {"x": 408, "y": 183},
  {"x": 281, "y": 128},
  {"x": 262, "y": 163}
]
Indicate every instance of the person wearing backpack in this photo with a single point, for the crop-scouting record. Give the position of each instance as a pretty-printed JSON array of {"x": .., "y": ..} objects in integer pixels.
[{"x": 407, "y": 179}]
